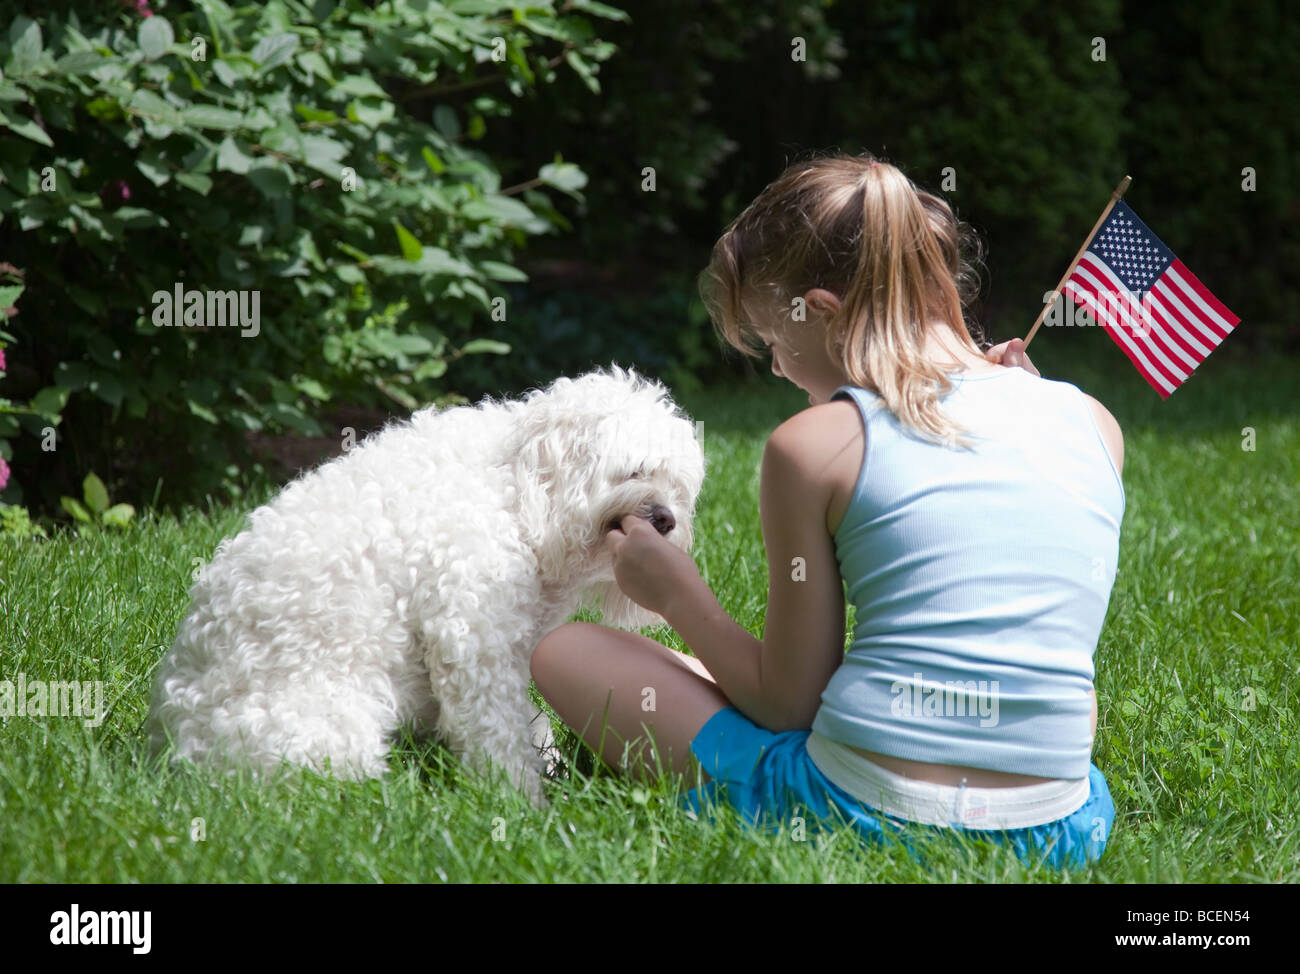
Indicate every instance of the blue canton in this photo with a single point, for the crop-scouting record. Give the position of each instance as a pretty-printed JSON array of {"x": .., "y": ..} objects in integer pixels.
[{"x": 1128, "y": 247}]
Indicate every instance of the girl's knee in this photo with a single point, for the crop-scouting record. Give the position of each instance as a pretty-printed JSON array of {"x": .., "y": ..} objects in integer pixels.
[{"x": 549, "y": 652}]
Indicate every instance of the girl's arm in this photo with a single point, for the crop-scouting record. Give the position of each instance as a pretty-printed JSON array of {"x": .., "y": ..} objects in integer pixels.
[
  {"x": 776, "y": 682},
  {"x": 803, "y": 638}
]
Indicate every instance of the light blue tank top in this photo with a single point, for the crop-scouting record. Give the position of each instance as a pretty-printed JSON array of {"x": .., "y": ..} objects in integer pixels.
[{"x": 980, "y": 581}]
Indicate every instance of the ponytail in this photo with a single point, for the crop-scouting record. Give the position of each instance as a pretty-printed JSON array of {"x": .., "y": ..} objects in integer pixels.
[{"x": 895, "y": 256}]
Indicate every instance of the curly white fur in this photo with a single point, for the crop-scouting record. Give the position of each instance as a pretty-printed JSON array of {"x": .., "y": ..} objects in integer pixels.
[{"x": 408, "y": 581}]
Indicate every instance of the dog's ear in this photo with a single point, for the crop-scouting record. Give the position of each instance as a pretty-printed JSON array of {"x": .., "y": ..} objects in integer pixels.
[{"x": 552, "y": 455}]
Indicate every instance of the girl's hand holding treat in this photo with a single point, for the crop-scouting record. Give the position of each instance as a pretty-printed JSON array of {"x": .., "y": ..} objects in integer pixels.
[{"x": 650, "y": 570}]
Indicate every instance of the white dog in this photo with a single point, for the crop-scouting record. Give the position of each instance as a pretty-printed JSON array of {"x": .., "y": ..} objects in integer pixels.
[{"x": 409, "y": 580}]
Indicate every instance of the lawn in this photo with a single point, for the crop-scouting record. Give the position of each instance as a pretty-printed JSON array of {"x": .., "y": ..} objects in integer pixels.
[{"x": 1197, "y": 731}]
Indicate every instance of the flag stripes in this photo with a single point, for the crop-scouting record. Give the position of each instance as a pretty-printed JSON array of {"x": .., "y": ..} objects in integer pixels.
[{"x": 1164, "y": 319}]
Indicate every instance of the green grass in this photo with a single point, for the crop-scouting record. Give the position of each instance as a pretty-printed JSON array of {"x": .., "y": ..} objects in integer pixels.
[{"x": 1202, "y": 624}]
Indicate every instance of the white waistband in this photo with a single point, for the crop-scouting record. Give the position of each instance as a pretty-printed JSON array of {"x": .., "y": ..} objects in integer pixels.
[{"x": 1019, "y": 807}]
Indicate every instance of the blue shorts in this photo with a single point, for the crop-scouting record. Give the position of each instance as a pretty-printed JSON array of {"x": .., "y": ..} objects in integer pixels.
[{"x": 763, "y": 774}]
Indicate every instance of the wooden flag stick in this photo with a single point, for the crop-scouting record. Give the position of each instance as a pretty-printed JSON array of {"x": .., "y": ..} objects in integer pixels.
[{"x": 1114, "y": 198}]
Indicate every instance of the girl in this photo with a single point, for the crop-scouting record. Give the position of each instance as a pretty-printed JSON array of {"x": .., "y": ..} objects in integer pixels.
[{"x": 971, "y": 509}]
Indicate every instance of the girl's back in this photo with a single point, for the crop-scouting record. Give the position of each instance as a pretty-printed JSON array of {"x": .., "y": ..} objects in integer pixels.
[{"x": 980, "y": 580}]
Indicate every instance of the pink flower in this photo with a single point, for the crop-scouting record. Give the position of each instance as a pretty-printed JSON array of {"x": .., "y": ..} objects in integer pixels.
[
  {"x": 4, "y": 473},
  {"x": 142, "y": 8},
  {"x": 116, "y": 193},
  {"x": 2, "y": 359}
]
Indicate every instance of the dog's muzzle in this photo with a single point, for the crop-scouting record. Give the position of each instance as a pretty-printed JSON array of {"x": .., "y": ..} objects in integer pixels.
[
  {"x": 659, "y": 517},
  {"x": 662, "y": 519}
]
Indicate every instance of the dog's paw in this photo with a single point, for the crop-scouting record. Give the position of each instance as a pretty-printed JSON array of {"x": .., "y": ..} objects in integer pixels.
[{"x": 543, "y": 740}]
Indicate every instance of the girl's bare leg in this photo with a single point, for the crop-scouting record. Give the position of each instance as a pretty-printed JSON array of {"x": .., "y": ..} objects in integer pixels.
[{"x": 611, "y": 685}]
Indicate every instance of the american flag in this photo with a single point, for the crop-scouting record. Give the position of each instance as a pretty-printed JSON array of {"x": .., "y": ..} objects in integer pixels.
[{"x": 1153, "y": 307}]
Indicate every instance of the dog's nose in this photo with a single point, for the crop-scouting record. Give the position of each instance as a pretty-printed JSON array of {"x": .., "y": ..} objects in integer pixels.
[{"x": 662, "y": 519}]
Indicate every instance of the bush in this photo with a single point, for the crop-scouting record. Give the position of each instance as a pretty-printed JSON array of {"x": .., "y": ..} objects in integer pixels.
[{"x": 309, "y": 166}]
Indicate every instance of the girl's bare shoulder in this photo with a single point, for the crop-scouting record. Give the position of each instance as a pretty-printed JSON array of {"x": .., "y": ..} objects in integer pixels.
[
  {"x": 823, "y": 447},
  {"x": 819, "y": 433}
]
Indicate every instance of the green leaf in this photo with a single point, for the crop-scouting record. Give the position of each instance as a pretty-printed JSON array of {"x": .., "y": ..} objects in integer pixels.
[
  {"x": 501, "y": 209},
  {"x": 119, "y": 515},
  {"x": 488, "y": 345},
  {"x": 353, "y": 252},
  {"x": 323, "y": 154},
  {"x": 313, "y": 63},
  {"x": 585, "y": 70},
  {"x": 96, "y": 494},
  {"x": 155, "y": 36},
  {"x": 148, "y": 105},
  {"x": 432, "y": 160},
  {"x": 293, "y": 418},
  {"x": 231, "y": 157},
  {"x": 81, "y": 62},
  {"x": 476, "y": 290},
  {"x": 28, "y": 129},
  {"x": 73, "y": 507},
  {"x": 564, "y": 176},
  {"x": 434, "y": 261},
  {"x": 25, "y": 45},
  {"x": 395, "y": 392},
  {"x": 106, "y": 386},
  {"x": 152, "y": 166},
  {"x": 315, "y": 114},
  {"x": 9, "y": 294},
  {"x": 358, "y": 86},
  {"x": 433, "y": 368},
  {"x": 305, "y": 248},
  {"x": 270, "y": 180},
  {"x": 105, "y": 109},
  {"x": 411, "y": 248},
  {"x": 599, "y": 9},
  {"x": 202, "y": 411},
  {"x": 412, "y": 344},
  {"x": 349, "y": 274},
  {"x": 72, "y": 376},
  {"x": 213, "y": 117},
  {"x": 274, "y": 50},
  {"x": 370, "y": 114},
  {"x": 445, "y": 120},
  {"x": 226, "y": 74},
  {"x": 196, "y": 181},
  {"x": 50, "y": 400},
  {"x": 465, "y": 8},
  {"x": 496, "y": 271},
  {"x": 312, "y": 388}
]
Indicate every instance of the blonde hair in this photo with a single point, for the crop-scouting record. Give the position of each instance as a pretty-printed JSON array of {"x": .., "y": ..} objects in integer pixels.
[{"x": 894, "y": 254}]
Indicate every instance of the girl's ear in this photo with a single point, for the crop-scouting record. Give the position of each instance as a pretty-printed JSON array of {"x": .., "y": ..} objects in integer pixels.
[{"x": 822, "y": 301}]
